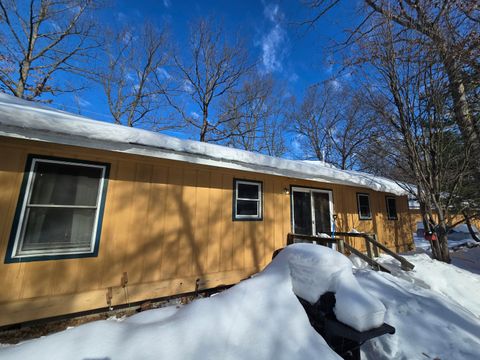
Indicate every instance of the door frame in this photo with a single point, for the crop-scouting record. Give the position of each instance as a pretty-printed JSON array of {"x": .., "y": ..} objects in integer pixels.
[{"x": 312, "y": 209}]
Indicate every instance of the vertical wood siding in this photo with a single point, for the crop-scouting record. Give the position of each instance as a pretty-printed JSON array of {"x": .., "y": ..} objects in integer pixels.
[{"x": 169, "y": 226}]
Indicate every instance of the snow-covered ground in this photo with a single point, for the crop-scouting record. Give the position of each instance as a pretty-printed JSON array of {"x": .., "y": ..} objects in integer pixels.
[
  {"x": 457, "y": 238},
  {"x": 466, "y": 241},
  {"x": 435, "y": 309}
]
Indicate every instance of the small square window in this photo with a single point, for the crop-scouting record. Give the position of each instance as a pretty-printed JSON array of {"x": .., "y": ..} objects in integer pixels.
[
  {"x": 391, "y": 208},
  {"x": 59, "y": 210},
  {"x": 363, "y": 202},
  {"x": 247, "y": 200}
]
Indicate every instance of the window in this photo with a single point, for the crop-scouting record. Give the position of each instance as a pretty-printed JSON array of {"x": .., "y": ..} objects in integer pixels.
[
  {"x": 363, "y": 201},
  {"x": 247, "y": 200},
  {"x": 391, "y": 208},
  {"x": 59, "y": 210}
]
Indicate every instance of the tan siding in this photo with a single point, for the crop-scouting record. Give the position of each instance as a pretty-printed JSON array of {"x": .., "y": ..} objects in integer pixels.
[
  {"x": 11, "y": 175},
  {"x": 202, "y": 224},
  {"x": 227, "y": 226},
  {"x": 155, "y": 225},
  {"x": 214, "y": 242},
  {"x": 173, "y": 216},
  {"x": 166, "y": 224}
]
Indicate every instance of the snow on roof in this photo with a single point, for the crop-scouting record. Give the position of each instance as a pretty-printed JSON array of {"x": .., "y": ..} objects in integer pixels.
[{"x": 27, "y": 120}]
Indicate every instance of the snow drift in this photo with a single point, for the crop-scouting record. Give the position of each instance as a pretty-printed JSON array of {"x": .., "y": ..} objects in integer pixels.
[
  {"x": 316, "y": 272},
  {"x": 260, "y": 318},
  {"x": 434, "y": 309}
]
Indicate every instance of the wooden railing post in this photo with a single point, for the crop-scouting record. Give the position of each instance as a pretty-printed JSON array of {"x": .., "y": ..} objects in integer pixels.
[
  {"x": 368, "y": 246},
  {"x": 341, "y": 246},
  {"x": 375, "y": 247}
]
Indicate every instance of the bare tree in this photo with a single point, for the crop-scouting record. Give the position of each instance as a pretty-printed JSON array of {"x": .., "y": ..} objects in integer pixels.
[
  {"x": 135, "y": 78},
  {"x": 425, "y": 143},
  {"x": 354, "y": 131},
  {"x": 331, "y": 124},
  {"x": 314, "y": 120},
  {"x": 40, "y": 40},
  {"x": 211, "y": 70},
  {"x": 450, "y": 30},
  {"x": 255, "y": 115},
  {"x": 426, "y": 54},
  {"x": 447, "y": 32}
]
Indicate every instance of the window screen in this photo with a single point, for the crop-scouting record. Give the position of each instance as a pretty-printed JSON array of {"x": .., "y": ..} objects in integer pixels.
[
  {"x": 364, "y": 206},
  {"x": 247, "y": 202},
  {"x": 60, "y": 208},
  {"x": 391, "y": 208}
]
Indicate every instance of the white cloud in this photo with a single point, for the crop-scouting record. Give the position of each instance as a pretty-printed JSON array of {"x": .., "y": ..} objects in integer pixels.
[
  {"x": 127, "y": 37},
  {"x": 55, "y": 26},
  {"x": 293, "y": 77},
  {"x": 167, "y": 3},
  {"x": 163, "y": 73},
  {"x": 82, "y": 102},
  {"x": 187, "y": 86},
  {"x": 130, "y": 76},
  {"x": 121, "y": 16},
  {"x": 336, "y": 84},
  {"x": 272, "y": 42},
  {"x": 271, "y": 12},
  {"x": 195, "y": 115},
  {"x": 329, "y": 65}
]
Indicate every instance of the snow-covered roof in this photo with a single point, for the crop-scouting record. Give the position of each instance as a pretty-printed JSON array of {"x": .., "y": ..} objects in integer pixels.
[{"x": 27, "y": 120}]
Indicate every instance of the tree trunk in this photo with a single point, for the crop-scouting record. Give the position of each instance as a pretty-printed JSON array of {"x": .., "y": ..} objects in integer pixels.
[
  {"x": 468, "y": 128},
  {"x": 444, "y": 253},
  {"x": 470, "y": 229},
  {"x": 204, "y": 128},
  {"x": 21, "y": 84},
  {"x": 427, "y": 227}
]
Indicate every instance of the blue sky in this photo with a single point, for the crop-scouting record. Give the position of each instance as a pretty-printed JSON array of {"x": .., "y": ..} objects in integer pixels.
[{"x": 292, "y": 53}]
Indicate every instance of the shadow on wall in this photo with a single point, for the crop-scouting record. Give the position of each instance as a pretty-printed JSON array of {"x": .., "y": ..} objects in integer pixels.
[{"x": 160, "y": 223}]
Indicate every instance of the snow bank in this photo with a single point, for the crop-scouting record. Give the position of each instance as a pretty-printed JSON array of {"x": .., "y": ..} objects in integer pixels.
[
  {"x": 316, "y": 272},
  {"x": 20, "y": 118},
  {"x": 434, "y": 309},
  {"x": 451, "y": 281},
  {"x": 467, "y": 258},
  {"x": 260, "y": 318}
]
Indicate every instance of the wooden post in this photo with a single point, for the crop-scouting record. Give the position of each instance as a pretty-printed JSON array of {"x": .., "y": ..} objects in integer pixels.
[
  {"x": 369, "y": 248},
  {"x": 341, "y": 246},
  {"x": 375, "y": 247}
]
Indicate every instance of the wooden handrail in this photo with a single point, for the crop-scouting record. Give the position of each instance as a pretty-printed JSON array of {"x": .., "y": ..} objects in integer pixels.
[
  {"x": 371, "y": 244},
  {"x": 318, "y": 239},
  {"x": 374, "y": 264},
  {"x": 405, "y": 264},
  {"x": 341, "y": 245}
]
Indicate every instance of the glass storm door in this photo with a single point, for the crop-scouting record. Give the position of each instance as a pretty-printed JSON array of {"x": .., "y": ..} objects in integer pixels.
[{"x": 311, "y": 211}]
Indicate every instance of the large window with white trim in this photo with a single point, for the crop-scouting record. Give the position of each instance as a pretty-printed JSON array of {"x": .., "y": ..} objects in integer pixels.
[
  {"x": 59, "y": 209},
  {"x": 247, "y": 200}
]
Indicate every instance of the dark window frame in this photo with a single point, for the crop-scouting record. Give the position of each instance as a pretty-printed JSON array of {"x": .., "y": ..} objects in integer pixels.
[
  {"x": 387, "y": 198},
  {"x": 25, "y": 190},
  {"x": 235, "y": 216},
  {"x": 360, "y": 216}
]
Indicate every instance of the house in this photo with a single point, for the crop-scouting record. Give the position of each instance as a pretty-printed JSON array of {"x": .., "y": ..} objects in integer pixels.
[{"x": 96, "y": 215}]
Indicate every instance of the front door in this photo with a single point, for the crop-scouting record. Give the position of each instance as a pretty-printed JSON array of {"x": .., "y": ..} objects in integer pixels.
[{"x": 311, "y": 211}]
